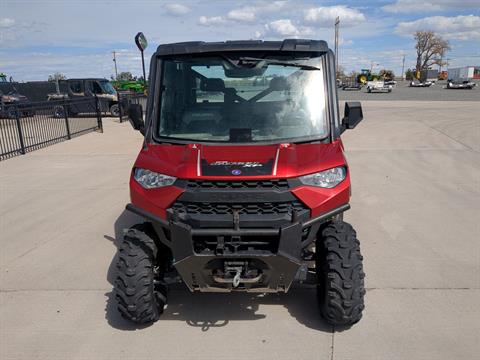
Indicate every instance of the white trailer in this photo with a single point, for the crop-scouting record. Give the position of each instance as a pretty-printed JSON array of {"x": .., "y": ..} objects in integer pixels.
[
  {"x": 465, "y": 73},
  {"x": 374, "y": 86}
]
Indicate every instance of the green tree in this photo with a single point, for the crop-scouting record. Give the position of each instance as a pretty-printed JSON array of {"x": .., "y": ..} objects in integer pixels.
[
  {"x": 125, "y": 75},
  {"x": 409, "y": 74}
]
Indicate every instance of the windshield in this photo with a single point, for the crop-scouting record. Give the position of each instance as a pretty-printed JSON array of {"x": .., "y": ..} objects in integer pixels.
[
  {"x": 108, "y": 87},
  {"x": 216, "y": 99}
]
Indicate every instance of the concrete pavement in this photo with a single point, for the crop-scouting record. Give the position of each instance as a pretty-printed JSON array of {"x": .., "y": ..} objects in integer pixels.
[{"x": 416, "y": 207}]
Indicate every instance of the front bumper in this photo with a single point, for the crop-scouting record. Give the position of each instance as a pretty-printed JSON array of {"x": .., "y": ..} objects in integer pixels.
[{"x": 275, "y": 253}]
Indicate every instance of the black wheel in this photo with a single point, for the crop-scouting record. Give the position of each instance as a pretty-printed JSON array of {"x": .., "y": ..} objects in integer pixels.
[
  {"x": 340, "y": 274},
  {"x": 115, "y": 110},
  {"x": 59, "y": 111},
  {"x": 12, "y": 112},
  {"x": 140, "y": 294}
]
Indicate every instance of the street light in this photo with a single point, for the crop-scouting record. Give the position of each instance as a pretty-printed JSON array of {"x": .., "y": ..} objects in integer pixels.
[{"x": 337, "y": 25}]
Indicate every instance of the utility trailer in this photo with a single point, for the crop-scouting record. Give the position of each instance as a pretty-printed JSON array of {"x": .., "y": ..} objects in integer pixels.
[
  {"x": 378, "y": 86},
  {"x": 464, "y": 85},
  {"x": 428, "y": 75},
  {"x": 420, "y": 84}
]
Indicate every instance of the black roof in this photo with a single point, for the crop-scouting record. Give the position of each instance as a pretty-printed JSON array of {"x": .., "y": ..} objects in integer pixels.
[
  {"x": 195, "y": 47},
  {"x": 87, "y": 78}
]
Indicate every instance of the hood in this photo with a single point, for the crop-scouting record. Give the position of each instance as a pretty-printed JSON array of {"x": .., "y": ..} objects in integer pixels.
[
  {"x": 241, "y": 162},
  {"x": 14, "y": 97}
]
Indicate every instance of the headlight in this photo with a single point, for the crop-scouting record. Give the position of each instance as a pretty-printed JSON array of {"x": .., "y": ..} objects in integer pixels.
[
  {"x": 325, "y": 179},
  {"x": 151, "y": 180}
]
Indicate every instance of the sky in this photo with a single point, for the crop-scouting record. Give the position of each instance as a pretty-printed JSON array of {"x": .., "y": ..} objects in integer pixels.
[{"x": 77, "y": 37}]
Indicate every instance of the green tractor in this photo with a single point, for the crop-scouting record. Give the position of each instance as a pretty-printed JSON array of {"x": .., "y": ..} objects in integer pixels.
[
  {"x": 130, "y": 85},
  {"x": 367, "y": 75}
]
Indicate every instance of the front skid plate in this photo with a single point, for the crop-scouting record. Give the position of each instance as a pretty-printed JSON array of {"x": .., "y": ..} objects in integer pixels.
[{"x": 277, "y": 276}]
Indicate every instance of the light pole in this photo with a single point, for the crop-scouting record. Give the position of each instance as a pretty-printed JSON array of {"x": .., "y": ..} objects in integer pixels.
[
  {"x": 337, "y": 25},
  {"x": 403, "y": 68},
  {"x": 115, "y": 62}
]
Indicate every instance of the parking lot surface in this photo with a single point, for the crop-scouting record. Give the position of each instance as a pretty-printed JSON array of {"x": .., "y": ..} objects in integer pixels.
[{"x": 416, "y": 206}]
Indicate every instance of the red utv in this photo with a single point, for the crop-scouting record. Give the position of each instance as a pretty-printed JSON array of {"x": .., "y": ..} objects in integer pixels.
[{"x": 242, "y": 179}]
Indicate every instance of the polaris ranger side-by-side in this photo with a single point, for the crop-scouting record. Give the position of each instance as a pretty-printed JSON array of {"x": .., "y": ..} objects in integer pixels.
[
  {"x": 242, "y": 179},
  {"x": 85, "y": 88}
]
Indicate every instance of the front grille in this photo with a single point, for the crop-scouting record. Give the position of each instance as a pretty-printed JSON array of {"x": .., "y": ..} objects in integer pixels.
[
  {"x": 250, "y": 209},
  {"x": 280, "y": 184}
]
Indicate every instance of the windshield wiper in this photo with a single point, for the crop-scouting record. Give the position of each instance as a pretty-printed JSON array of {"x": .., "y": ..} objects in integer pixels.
[{"x": 281, "y": 63}]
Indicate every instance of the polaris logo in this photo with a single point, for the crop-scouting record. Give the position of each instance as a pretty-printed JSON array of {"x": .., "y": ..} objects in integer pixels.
[{"x": 245, "y": 164}]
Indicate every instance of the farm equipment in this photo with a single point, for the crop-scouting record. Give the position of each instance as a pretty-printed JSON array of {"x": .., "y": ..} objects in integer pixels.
[
  {"x": 366, "y": 75},
  {"x": 443, "y": 75},
  {"x": 129, "y": 85},
  {"x": 242, "y": 179}
]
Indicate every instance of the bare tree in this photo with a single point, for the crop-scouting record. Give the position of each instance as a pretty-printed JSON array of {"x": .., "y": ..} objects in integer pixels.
[
  {"x": 56, "y": 76},
  {"x": 431, "y": 49},
  {"x": 387, "y": 74},
  {"x": 340, "y": 72}
]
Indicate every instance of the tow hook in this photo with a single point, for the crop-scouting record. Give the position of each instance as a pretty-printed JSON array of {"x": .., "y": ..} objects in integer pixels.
[
  {"x": 236, "y": 278},
  {"x": 236, "y": 268}
]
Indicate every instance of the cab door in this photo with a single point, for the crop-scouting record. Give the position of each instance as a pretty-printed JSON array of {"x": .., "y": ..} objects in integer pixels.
[
  {"x": 76, "y": 92},
  {"x": 92, "y": 89}
]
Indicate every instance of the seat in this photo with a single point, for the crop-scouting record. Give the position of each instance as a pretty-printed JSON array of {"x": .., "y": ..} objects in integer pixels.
[{"x": 212, "y": 85}]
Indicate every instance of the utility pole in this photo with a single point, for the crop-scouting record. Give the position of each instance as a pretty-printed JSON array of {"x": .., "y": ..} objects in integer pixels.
[
  {"x": 403, "y": 68},
  {"x": 337, "y": 25},
  {"x": 115, "y": 62}
]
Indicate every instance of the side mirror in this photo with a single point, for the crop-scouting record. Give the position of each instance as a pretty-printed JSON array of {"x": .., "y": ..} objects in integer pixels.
[
  {"x": 135, "y": 116},
  {"x": 353, "y": 115}
]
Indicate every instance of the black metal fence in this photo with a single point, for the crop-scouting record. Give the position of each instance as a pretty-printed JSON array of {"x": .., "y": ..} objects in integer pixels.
[
  {"x": 26, "y": 127},
  {"x": 127, "y": 98}
]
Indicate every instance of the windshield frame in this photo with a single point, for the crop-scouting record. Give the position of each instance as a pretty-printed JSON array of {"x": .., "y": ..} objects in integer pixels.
[
  {"x": 102, "y": 84},
  {"x": 153, "y": 117}
]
